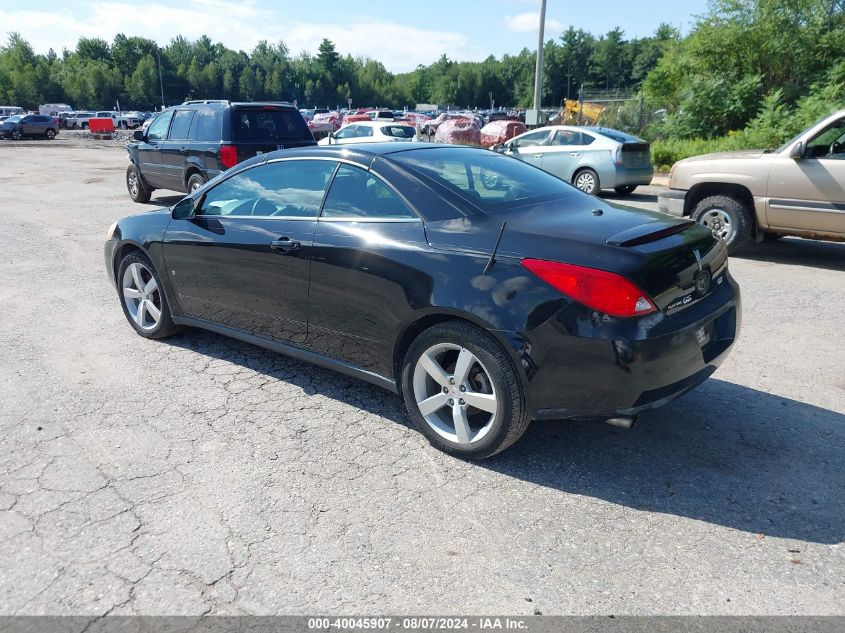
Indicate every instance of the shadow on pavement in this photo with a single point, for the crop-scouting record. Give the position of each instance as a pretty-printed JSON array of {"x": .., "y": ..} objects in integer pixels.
[
  {"x": 164, "y": 201},
  {"x": 797, "y": 252},
  {"x": 724, "y": 453}
]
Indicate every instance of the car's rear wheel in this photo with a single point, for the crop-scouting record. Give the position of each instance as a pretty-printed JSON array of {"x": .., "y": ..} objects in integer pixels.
[
  {"x": 138, "y": 191},
  {"x": 50, "y": 134},
  {"x": 142, "y": 297},
  {"x": 587, "y": 181},
  {"x": 195, "y": 182},
  {"x": 462, "y": 391},
  {"x": 625, "y": 190},
  {"x": 730, "y": 220}
]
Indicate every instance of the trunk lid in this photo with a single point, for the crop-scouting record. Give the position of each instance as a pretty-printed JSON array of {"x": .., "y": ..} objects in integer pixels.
[
  {"x": 636, "y": 155},
  {"x": 662, "y": 254}
]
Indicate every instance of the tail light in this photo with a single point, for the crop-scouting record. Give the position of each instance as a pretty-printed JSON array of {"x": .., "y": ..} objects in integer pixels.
[
  {"x": 229, "y": 156},
  {"x": 597, "y": 289},
  {"x": 617, "y": 155}
]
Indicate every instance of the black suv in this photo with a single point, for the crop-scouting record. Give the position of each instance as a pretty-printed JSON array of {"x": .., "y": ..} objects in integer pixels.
[{"x": 187, "y": 145}]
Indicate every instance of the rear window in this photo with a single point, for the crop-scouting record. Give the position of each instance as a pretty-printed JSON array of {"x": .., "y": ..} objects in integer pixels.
[
  {"x": 268, "y": 125},
  {"x": 490, "y": 181},
  {"x": 399, "y": 131}
]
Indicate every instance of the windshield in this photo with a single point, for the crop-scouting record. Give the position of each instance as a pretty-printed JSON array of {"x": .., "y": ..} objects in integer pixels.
[
  {"x": 488, "y": 180},
  {"x": 14, "y": 119}
]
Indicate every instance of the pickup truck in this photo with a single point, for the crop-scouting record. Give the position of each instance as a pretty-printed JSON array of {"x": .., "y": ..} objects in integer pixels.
[
  {"x": 797, "y": 189},
  {"x": 124, "y": 120}
]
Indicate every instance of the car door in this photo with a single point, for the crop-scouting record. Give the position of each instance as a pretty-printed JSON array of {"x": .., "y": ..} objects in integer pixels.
[
  {"x": 529, "y": 147},
  {"x": 149, "y": 150},
  {"x": 808, "y": 193},
  {"x": 28, "y": 125},
  {"x": 243, "y": 260},
  {"x": 562, "y": 154},
  {"x": 360, "y": 273},
  {"x": 174, "y": 151}
]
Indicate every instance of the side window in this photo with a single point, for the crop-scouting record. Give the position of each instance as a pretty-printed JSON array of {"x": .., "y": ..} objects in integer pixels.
[
  {"x": 586, "y": 139},
  {"x": 181, "y": 124},
  {"x": 208, "y": 124},
  {"x": 291, "y": 188},
  {"x": 356, "y": 194},
  {"x": 829, "y": 143},
  {"x": 158, "y": 128},
  {"x": 534, "y": 138},
  {"x": 566, "y": 137},
  {"x": 365, "y": 131}
]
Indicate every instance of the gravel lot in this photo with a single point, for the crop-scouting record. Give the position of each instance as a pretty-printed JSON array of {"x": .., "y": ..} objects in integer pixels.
[{"x": 202, "y": 475}]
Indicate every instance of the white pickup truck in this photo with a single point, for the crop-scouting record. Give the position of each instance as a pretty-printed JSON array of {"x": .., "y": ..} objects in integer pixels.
[{"x": 124, "y": 121}]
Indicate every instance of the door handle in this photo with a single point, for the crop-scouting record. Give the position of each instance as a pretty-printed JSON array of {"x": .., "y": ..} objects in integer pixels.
[
  {"x": 284, "y": 245},
  {"x": 574, "y": 154},
  {"x": 538, "y": 156}
]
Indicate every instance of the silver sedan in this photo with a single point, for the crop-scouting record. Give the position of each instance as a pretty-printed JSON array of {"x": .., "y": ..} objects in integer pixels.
[{"x": 591, "y": 158}]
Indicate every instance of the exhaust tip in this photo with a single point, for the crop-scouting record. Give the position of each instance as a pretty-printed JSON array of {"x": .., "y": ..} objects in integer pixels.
[{"x": 622, "y": 421}]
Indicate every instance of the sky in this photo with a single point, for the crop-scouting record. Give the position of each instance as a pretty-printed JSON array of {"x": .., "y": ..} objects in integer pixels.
[{"x": 401, "y": 35}]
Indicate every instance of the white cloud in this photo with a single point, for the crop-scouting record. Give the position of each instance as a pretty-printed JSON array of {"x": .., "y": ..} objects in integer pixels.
[
  {"x": 527, "y": 22},
  {"x": 400, "y": 47}
]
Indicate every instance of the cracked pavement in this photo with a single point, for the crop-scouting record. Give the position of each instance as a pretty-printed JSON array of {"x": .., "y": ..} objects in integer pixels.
[{"x": 202, "y": 475}]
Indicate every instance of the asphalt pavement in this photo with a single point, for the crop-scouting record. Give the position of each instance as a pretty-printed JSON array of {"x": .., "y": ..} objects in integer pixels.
[{"x": 203, "y": 475}]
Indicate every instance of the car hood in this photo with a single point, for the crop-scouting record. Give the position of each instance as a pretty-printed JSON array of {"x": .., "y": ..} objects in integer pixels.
[{"x": 740, "y": 154}]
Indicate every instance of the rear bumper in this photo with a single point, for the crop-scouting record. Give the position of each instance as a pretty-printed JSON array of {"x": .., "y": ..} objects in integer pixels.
[
  {"x": 671, "y": 201},
  {"x": 626, "y": 366},
  {"x": 627, "y": 176}
]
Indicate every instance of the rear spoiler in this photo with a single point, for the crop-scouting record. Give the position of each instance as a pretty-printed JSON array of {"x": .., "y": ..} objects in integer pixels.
[{"x": 645, "y": 233}]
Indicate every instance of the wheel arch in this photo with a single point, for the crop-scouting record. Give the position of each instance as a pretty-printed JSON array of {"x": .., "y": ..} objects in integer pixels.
[
  {"x": 193, "y": 166},
  {"x": 416, "y": 327},
  {"x": 698, "y": 192}
]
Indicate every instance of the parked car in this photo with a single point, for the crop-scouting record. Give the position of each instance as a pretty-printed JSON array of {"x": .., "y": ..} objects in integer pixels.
[
  {"x": 430, "y": 127},
  {"x": 370, "y": 132},
  {"x": 798, "y": 189},
  {"x": 32, "y": 125},
  {"x": 484, "y": 308},
  {"x": 187, "y": 145},
  {"x": 79, "y": 120},
  {"x": 591, "y": 158},
  {"x": 123, "y": 121}
]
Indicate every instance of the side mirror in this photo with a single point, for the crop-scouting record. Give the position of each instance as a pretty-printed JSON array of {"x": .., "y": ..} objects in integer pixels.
[
  {"x": 798, "y": 151},
  {"x": 138, "y": 135},
  {"x": 185, "y": 208}
]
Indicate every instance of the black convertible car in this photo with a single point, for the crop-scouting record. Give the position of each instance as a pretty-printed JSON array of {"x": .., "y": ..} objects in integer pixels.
[{"x": 485, "y": 291}]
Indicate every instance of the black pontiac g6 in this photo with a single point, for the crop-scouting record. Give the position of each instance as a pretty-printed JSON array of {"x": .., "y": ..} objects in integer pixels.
[{"x": 485, "y": 291}]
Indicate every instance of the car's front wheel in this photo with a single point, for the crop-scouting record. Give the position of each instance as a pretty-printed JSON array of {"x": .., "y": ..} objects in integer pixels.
[
  {"x": 16, "y": 135},
  {"x": 142, "y": 297},
  {"x": 730, "y": 220},
  {"x": 462, "y": 391},
  {"x": 587, "y": 181},
  {"x": 138, "y": 191}
]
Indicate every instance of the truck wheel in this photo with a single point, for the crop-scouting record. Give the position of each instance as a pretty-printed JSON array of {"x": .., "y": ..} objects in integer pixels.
[
  {"x": 138, "y": 191},
  {"x": 730, "y": 220},
  {"x": 195, "y": 182}
]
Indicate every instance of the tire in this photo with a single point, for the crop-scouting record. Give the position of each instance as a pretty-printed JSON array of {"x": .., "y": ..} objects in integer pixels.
[
  {"x": 489, "y": 374},
  {"x": 138, "y": 191},
  {"x": 587, "y": 181},
  {"x": 625, "y": 190},
  {"x": 140, "y": 305},
  {"x": 195, "y": 182},
  {"x": 730, "y": 220},
  {"x": 84, "y": 126},
  {"x": 16, "y": 135},
  {"x": 50, "y": 134}
]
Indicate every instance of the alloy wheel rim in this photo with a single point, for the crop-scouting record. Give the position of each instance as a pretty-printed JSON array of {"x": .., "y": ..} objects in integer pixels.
[
  {"x": 195, "y": 185},
  {"x": 142, "y": 296},
  {"x": 455, "y": 394},
  {"x": 585, "y": 182},
  {"x": 718, "y": 221},
  {"x": 133, "y": 184}
]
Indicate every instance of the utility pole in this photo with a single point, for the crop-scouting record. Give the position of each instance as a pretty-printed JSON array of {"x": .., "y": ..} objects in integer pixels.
[
  {"x": 534, "y": 117},
  {"x": 160, "y": 79}
]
